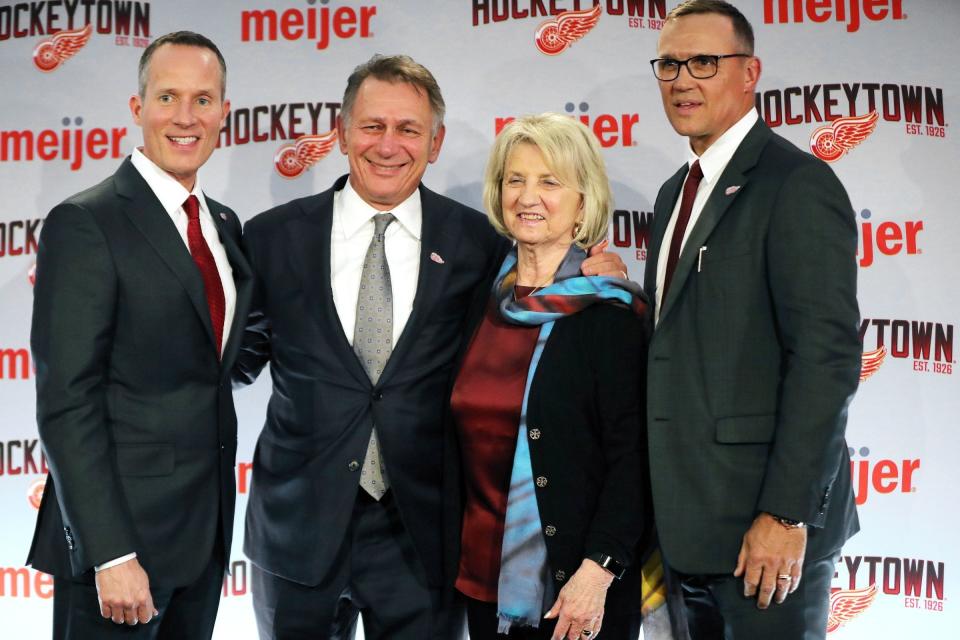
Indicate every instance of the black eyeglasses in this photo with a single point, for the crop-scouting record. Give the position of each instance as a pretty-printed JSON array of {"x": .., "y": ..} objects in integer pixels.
[{"x": 700, "y": 67}]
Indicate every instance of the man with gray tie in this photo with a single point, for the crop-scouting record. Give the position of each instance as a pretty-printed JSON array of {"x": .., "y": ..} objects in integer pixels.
[{"x": 359, "y": 306}]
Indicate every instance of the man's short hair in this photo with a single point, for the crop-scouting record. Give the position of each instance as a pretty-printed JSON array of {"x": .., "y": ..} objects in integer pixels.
[
  {"x": 395, "y": 69},
  {"x": 741, "y": 26},
  {"x": 185, "y": 38},
  {"x": 572, "y": 154}
]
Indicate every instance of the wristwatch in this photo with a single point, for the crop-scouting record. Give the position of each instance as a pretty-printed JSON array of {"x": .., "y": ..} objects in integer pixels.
[
  {"x": 608, "y": 563},
  {"x": 788, "y": 523}
]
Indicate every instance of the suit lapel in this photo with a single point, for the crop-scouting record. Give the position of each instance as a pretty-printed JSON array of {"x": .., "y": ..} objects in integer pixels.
[
  {"x": 730, "y": 184},
  {"x": 439, "y": 237},
  {"x": 310, "y": 251},
  {"x": 242, "y": 279},
  {"x": 148, "y": 216}
]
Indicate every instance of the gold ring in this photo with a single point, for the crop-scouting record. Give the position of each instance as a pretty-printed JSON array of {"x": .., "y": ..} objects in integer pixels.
[{"x": 785, "y": 576}]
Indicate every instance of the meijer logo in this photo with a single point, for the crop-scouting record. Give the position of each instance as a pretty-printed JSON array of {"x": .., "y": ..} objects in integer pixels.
[
  {"x": 886, "y": 238},
  {"x": 295, "y": 24},
  {"x": 845, "y": 11},
  {"x": 883, "y": 476},
  {"x": 610, "y": 129}
]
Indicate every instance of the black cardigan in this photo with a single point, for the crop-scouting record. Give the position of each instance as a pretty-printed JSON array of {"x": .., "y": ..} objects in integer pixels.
[{"x": 586, "y": 430}]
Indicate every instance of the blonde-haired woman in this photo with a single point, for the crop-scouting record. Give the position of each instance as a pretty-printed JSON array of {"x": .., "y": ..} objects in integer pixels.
[{"x": 546, "y": 404}]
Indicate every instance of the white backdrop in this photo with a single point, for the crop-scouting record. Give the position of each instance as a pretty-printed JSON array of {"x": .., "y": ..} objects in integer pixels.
[{"x": 824, "y": 62}]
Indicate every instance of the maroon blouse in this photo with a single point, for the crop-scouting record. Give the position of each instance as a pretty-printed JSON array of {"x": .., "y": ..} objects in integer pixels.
[{"x": 486, "y": 402}]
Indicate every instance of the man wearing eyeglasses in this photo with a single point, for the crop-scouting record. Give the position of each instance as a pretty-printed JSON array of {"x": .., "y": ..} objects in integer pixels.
[{"x": 756, "y": 354}]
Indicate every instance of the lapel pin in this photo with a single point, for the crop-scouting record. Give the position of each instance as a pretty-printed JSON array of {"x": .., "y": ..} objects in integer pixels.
[
  {"x": 436, "y": 257},
  {"x": 732, "y": 190},
  {"x": 223, "y": 216}
]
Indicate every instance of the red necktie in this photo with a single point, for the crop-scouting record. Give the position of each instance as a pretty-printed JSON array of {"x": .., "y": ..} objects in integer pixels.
[
  {"x": 208, "y": 268},
  {"x": 686, "y": 206}
]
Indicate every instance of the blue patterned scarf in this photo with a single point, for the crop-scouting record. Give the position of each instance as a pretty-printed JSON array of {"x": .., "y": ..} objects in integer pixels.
[{"x": 522, "y": 596}]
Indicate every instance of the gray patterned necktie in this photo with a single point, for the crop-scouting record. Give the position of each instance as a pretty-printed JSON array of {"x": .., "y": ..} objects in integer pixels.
[{"x": 373, "y": 340}]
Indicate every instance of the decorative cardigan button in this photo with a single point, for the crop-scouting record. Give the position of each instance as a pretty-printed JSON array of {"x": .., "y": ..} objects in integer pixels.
[
  {"x": 550, "y": 530},
  {"x": 560, "y": 575},
  {"x": 541, "y": 481},
  {"x": 534, "y": 434}
]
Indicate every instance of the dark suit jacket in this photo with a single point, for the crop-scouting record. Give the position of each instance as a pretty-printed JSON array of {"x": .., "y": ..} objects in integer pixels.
[
  {"x": 323, "y": 407},
  {"x": 134, "y": 406},
  {"x": 755, "y": 358},
  {"x": 590, "y": 447}
]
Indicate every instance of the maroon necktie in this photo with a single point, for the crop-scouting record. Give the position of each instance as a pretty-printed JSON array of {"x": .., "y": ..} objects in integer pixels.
[
  {"x": 208, "y": 268},
  {"x": 686, "y": 206}
]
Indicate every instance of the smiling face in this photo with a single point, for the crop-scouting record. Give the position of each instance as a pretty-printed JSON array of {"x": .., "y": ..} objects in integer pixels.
[
  {"x": 539, "y": 211},
  {"x": 388, "y": 141},
  {"x": 182, "y": 110},
  {"x": 703, "y": 110}
]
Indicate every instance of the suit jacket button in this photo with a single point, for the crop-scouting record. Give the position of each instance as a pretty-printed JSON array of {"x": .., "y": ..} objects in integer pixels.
[
  {"x": 534, "y": 434},
  {"x": 354, "y": 465},
  {"x": 560, "y": 575},
  {"x": 550, "y": 530},
  {"x": 377, "y": 395},
  {"x": 541, "y": 481}
]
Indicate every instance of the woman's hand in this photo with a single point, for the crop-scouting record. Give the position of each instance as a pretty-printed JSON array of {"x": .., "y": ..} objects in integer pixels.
[{"x": 580, "y": 603}]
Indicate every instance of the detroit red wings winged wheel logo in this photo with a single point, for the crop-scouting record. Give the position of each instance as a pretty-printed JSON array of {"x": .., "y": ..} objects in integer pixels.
[
  {"x": 870, "y": 362},
  {"x": 307, "y": 150},
  {"x": 50, "y": 54},
  {"x": 847, "y": 605},
  {"x": 830, "y": 143},
  {"x": 555, "y": 35}
]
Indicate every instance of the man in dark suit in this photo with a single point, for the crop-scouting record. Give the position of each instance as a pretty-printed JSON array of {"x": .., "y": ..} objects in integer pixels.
[
  {"x": 755, "y": 356},
  {"x": 140, "y": 301},
  {"x": 359, "y": 307}
]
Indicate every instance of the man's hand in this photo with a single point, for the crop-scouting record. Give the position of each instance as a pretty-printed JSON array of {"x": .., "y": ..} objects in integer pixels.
[
  {"x": 124, "y": 593},
  {"x": 579, "y": 604},
  {"x": 601, "y": 263},
  {"x": 770, "y": 550}
]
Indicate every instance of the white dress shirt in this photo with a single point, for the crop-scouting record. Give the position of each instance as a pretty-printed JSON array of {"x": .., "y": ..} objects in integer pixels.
[
  {"x": 350, "y": 238},
  {"x": 172, "y": 195},
  {"x": 713, "y": 161}
]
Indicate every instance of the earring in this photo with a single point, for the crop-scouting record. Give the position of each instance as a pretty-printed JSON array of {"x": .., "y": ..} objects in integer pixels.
[{"x": 577, "y": 226}]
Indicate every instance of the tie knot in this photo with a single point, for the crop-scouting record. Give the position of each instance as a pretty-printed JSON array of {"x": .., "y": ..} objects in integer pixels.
[
  {"x": 381, "y": 221},
  {"x": 192, "y": 206},
  {"x": 696, "y": 173}
]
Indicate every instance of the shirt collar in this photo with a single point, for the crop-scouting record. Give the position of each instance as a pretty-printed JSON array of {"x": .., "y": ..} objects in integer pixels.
[
  {"x": 355, "y": 212},
  {"x": 169, "y": 192},
  {"x": 715, "y": 159}
]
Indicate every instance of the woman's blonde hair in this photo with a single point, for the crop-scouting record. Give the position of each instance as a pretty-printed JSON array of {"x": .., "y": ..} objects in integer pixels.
[{"x": 572, "y": 154}]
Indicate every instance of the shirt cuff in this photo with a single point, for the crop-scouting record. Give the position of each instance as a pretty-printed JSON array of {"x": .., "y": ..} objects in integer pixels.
[{"x": 106, "y": 565}]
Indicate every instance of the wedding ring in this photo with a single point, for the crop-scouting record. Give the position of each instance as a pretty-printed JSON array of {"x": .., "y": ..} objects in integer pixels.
[
  {"x": 785, "y": 576},
  {"x": 586, "y": 633}
]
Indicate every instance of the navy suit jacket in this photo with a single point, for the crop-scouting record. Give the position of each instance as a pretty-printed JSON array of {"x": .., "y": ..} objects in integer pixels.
[
  {"x": 755, "y": 358},
  {"x": 134, "y": 404},
  {"x": 323, "y": 406}
]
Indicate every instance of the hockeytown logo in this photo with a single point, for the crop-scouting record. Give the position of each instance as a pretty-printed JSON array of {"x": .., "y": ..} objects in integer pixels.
[
  {"x": 571, "y": 20},
  {"x": 860, "y": 580},
  {"x": 852, "y": 111},
  {"x": 928, "y": 345},
  {"x": 70, "y": 24},
  {"x": 307, "y": 129}
]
